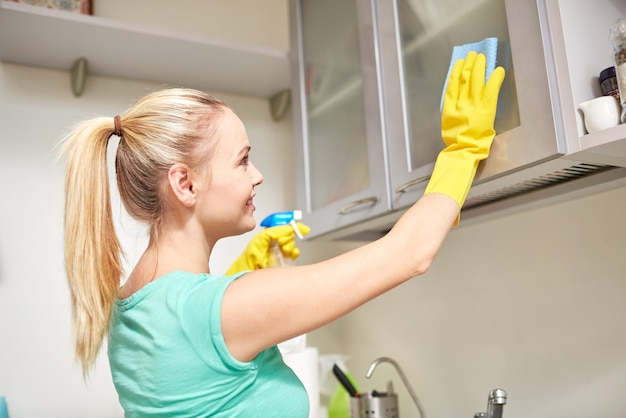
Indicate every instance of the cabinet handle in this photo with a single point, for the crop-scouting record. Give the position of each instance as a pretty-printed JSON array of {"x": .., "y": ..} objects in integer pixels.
[
  {"x": 406, "y": 186},
  {"x": 350, "y": 207}
]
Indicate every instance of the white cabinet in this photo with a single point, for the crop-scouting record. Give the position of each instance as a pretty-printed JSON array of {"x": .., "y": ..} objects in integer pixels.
[
  {"x": 36, "y": 36},
  {"x": 552, "y": 50}
]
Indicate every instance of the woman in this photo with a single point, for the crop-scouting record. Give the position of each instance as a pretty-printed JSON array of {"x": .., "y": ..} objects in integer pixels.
[{"x": 183, "y": 342}]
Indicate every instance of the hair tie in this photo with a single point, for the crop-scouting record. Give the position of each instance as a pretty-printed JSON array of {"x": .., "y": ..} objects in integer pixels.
[{"x": 117, "y": 123}]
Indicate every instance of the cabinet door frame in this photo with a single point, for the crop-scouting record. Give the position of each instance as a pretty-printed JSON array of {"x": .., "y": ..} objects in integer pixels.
[
  {"x": 529, "y": 57},
  {"x": 369, "y": 202}
]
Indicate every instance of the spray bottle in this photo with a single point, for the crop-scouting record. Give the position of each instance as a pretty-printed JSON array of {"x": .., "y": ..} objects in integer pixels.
[
  {"x": 282, "y": 218},
  {"x": 296, "y": 344}
]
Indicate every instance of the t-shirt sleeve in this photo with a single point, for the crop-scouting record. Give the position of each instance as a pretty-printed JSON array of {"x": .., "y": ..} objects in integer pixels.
[{"x": 200, "y": 312}]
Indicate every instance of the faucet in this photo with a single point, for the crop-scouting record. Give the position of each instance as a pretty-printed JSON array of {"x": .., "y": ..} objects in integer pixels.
[
  {"x": 402, "y": 376},
  {"x": 496, "y": 402}
]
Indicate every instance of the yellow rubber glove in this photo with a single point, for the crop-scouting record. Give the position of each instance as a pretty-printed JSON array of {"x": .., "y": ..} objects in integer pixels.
[
  {"x": 468, "y": 115},
  {"x": 258, "y": 253}
]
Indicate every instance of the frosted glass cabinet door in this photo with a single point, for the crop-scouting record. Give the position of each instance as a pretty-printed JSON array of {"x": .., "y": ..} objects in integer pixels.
[
  {"x": 417, "y": 56},
  {"x": 341, "y": 155},
  {"x": 337, "y": 138}
]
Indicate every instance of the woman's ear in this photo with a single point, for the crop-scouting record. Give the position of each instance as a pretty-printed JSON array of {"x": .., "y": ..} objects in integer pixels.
[{"x": 181, "y": 184}]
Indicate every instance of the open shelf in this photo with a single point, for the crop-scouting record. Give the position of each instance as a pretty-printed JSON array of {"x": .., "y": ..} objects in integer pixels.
[
  {"x": 54, "y": 39},
  {"x": 581, "y": 48},
  {"x": 606, "y": 147}
]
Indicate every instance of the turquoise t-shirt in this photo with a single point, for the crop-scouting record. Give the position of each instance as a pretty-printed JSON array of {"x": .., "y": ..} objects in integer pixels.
[{"x": 168, "y": 357}]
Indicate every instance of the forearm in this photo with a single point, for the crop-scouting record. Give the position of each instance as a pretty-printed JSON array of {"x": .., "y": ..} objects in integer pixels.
[
  {"x": 405, "y": 252},
  {"x": 420, "y": 232}
]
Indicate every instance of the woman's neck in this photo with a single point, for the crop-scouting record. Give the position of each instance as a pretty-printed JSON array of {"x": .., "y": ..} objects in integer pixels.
[{"x": 171, "y": 251}]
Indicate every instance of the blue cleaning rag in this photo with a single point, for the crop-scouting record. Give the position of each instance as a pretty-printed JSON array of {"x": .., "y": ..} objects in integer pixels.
[{"x": 488, "y": 47}]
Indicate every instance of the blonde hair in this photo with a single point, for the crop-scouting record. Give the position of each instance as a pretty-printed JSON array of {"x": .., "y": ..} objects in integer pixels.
[{"x": 161, "y": 129}]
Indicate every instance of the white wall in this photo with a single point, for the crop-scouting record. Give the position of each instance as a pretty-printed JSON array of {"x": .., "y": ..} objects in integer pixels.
[
  {"x": 37, "y": 374},
  {"x": 533, "y": 303}
]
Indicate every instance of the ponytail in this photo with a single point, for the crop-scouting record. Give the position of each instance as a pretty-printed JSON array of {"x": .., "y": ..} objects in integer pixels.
[
  {"x": 163, "y": 128},
  {"x": 92, "y": 249}
]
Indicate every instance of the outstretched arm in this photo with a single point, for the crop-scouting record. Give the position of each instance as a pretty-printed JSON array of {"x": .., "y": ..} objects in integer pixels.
[{"x": 265, "y": 307}]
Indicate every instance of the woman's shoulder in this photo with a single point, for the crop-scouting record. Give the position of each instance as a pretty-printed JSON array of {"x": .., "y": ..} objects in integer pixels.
[{"x": 177, "y": 282}]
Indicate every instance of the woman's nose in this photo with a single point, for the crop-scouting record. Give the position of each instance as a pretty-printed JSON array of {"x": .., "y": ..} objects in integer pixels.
[{"x": 257, "y": 176}]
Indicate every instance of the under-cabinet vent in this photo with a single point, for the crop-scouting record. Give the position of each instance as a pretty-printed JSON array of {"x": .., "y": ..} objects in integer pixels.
[
  {"x": 557, "y": 177},
  {"x": 553, "y": 184}
]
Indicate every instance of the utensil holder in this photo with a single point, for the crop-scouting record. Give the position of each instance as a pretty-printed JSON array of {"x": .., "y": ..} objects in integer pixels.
[{"x": 374, "y": 405}]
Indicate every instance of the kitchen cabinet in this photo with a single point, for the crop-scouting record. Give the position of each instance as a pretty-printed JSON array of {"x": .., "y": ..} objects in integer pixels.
[
  {"x": 41, "y": 37},
  {"x": 345, "y": 175},
  {"x": 399, "y": 52},
  {"x": 415, "y": 58}
]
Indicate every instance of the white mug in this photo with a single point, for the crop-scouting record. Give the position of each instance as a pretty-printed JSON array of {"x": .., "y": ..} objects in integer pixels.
[{"x": 600, "y": 113}]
